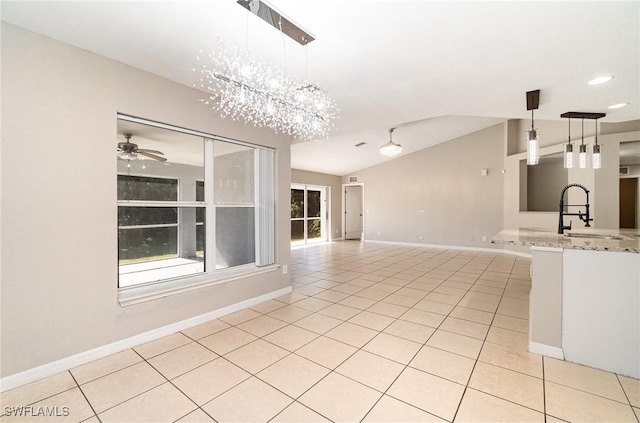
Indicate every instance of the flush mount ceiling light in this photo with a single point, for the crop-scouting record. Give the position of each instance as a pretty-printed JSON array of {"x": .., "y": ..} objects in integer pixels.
[
  {"x": 391, "y": 149},
  {"x": 618, "y": 106},
  {"x": 533, "y": 144},
  {"x": 583, "y": 158},
  {"x": 242, "y": 87},
  {"x": 600, "y": 80}
]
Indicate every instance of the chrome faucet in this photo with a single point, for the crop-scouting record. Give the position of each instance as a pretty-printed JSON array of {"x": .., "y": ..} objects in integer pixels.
[{"x": 583, "y": 216}]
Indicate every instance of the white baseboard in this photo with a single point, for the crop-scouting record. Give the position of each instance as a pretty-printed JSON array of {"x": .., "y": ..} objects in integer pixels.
[
  {"x": 516, "y": 253},
  {"x": 49, "y": 369},
  {"x": 453, "y": 247},
  {"x": 546, "y": 350}
]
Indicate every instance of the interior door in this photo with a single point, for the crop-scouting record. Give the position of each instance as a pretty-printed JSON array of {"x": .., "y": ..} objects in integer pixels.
[
  {"x": 353, "y": 219},
  {"x": 628, "y": 202}
]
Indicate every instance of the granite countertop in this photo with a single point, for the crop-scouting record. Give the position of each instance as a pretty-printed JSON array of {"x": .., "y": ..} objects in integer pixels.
[{"x": 621, "y": 240}]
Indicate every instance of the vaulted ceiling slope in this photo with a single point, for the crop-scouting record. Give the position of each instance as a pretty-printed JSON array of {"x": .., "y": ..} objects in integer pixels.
[{"x": 435, "y": 70}]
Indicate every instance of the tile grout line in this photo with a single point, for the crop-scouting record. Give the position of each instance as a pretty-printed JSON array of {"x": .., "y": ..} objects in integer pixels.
[
  {"x": 626, "y": 396},
  {"x": 95, "y": 414},
  {"x": 544, "y": 390}
]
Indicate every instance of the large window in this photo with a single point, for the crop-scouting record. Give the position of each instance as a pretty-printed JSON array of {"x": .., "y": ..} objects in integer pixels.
[{"x": 192, "y": 217}]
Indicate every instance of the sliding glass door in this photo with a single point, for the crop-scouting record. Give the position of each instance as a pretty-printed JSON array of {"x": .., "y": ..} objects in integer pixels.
[{"x": 308, "y": 214}]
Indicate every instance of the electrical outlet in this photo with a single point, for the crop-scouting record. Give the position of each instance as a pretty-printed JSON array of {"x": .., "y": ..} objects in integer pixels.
[{"x": 285, "y": 269}]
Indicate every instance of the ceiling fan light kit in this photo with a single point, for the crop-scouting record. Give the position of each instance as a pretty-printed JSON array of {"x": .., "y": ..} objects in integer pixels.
[
  {"x": 130, "y": 151},
  {"x": 391, "y": 149}
]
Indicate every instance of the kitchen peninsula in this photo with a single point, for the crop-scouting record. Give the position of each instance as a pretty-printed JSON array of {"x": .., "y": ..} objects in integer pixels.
[{"x": 584, "y": 304}]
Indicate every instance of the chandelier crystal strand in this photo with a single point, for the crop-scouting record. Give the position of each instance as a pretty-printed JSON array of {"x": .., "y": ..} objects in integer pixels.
[{"x": 241, "y": 87}]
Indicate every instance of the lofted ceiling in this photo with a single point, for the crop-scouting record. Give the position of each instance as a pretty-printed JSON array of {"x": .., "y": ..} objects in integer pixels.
[{"x": 435, "y": 70}]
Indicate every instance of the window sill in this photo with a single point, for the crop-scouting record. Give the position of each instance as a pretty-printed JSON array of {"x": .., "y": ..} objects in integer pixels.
[{"x": 139, "y": 294}]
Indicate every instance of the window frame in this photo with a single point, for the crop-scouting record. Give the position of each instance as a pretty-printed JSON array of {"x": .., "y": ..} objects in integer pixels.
[{"x": 210, "y": 276}]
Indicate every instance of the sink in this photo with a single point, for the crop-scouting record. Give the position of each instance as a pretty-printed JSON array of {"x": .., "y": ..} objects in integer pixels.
[{"x": 596, "y": 236}]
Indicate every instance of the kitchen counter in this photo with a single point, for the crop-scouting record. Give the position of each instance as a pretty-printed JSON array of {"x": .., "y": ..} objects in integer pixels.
[
  {"x": 584, "y": 304},
  {"x": 618, "y": 240}
]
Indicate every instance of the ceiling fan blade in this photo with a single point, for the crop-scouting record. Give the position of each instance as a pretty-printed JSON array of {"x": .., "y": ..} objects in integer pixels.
[
  {"x": 149, "y": 151},
  {"x": 151, "y": 156}
]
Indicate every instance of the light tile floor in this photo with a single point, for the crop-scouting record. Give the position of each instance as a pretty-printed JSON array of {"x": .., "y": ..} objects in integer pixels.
[{"x": 371, "y": 332}]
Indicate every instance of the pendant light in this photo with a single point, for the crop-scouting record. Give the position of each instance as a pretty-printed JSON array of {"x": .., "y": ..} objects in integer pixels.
[
  {"x": 391, "y": 149},
  {"x": 583, "y": 151},
  {"x": 568, "y": 151},
  {"x": 583, "y": 158},
  {"x": 596, "y": 159},
  {"x": 533, "y": 144}
]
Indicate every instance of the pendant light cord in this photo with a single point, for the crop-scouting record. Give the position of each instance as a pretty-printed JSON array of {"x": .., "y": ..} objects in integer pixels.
[
  {"x": 246, "y": 30},
  {"x": 582, "y": 132},
  {"x": 306, "y": 61},
  {"x": 569, "y": 140},
  {"x": 532, "y": 120},
  {"x": 284, "y": 47}
]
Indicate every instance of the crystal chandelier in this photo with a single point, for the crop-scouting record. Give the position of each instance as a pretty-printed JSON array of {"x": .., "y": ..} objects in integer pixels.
[{"x": 242, "y": 87}]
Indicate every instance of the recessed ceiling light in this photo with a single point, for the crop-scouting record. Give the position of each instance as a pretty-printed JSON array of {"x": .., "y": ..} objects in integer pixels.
[
  {"x": 601, "y": 80},
  {"x": 618, "y": 106}
]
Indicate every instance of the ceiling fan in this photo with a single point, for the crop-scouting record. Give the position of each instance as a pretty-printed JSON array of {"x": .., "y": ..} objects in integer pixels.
[{"x": 130, "y": 151}]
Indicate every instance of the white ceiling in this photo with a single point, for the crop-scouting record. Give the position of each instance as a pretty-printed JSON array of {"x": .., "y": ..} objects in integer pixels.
[{"x": 435, "y": 70}]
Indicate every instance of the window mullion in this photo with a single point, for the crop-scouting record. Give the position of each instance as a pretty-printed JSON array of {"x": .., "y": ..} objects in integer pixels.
[
  {"x": 159, "y": 225},
  {"x": 210, "y": 208},
  {"x": 139, "y": 203},
  {"x": 305, "y": 203}
]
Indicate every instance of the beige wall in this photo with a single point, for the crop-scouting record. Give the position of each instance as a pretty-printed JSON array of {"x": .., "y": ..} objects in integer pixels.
[
  {"x": 59, "y": 238},
  {"x": 437, "y": 195},
  {"x": 335, "y": 200}
]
